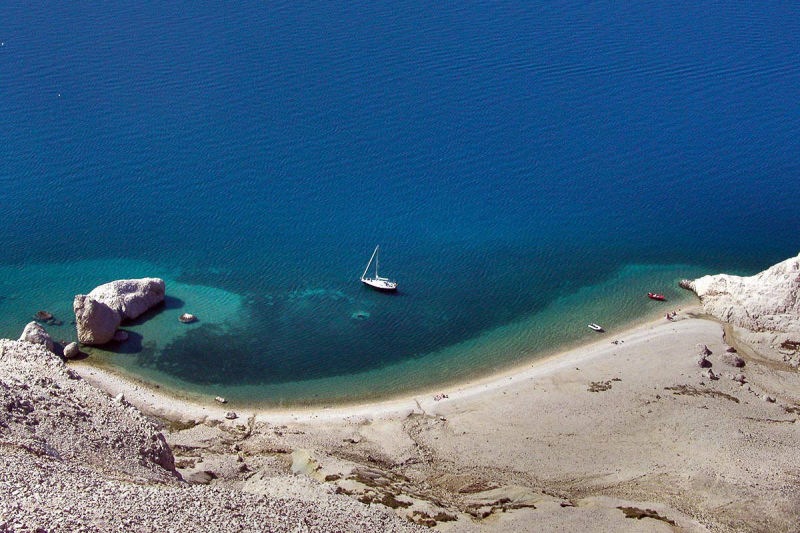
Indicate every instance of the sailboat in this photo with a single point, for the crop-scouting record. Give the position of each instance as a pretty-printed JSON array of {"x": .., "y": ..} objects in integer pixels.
[{"x": 382, "y": 284}]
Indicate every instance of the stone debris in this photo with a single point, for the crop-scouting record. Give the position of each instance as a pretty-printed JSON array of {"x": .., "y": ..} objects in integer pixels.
[
  {"x": 733, "y": 360},
  {"x": 702, "y": 350},
  {"x": 61, "y": 438},
  {"x": 702, "y": 362}
]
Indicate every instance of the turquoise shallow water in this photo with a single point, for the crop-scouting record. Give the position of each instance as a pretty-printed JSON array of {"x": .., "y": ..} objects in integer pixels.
[{"x": 526, "y": 167}]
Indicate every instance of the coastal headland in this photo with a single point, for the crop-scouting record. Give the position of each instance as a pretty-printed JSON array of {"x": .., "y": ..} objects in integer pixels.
[{"x": 681, "y": 424}]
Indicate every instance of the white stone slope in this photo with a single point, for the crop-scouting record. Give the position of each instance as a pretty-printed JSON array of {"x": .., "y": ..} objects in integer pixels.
[
  {"x": 768, "y": 301},
  {"x": 74, "y": 459}
]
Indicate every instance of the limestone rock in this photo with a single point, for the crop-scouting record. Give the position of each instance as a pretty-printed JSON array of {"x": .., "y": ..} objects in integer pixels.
[
  {"x": 72, "y": 350},
  {"x": 203, "y": 477},
  {"x": 120, "y": 336},
  {"x": 220, "y": 399},
  {"x": 703, "y": 363},
  {"x": 187, "y": 318},
  {"x": 130, "y": 297},
  {"x": 36, "y": 334},
  {"x": 768, "y": 301},
  {"x": 230, "y": 415},
  {"x": 710, "y": 375},
  {"x": 733, "y": 360},
  {"x": 96, "y": 322},
  {"x": 702, "y": 350}
]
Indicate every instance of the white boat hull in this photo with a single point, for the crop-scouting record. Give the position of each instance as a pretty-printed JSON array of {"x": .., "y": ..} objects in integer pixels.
[{"x": 380, "y": 284}]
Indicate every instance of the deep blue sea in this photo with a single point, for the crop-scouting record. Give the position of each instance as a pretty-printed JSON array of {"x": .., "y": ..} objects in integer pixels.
[{"x": 526, "y": 167}]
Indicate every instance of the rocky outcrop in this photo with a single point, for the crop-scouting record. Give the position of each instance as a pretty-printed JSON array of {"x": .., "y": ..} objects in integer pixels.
[
  {"x": 36, "y": 334},
  {"x": 130, "y": 297},
  {"x": 99, "y": 313},
  {"x": 96, "y": 322},
  {"x": 768, "y": 301},
  {"x": 187, "y": 318}
]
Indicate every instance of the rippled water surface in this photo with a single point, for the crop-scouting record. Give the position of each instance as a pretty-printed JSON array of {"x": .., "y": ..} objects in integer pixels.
[{"x": 526, "y": 167}]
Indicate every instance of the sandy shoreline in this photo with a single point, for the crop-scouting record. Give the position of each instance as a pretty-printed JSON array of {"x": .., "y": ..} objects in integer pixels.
[
  {"x": 585, "y": 439},
  {"x": 173, "y": 406}
]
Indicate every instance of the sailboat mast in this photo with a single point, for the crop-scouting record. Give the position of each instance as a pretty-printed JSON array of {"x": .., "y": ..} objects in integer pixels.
[
  {"x": 370, "y": 262},
  {"x": 377, "y": 258}
]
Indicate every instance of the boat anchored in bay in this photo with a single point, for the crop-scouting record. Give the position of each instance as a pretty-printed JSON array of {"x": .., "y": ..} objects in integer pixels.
[{"x": 377, "y": 282}]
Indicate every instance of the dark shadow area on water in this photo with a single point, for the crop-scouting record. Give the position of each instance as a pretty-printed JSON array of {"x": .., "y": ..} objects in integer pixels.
[{"x": 134, "y": 344}]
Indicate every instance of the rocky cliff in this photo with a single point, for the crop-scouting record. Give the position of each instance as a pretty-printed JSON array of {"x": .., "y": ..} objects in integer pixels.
[
  {"x": 764, "y": 309},
  {"x": 768, "y": 301},
  {"x": 74, "y": 459}
]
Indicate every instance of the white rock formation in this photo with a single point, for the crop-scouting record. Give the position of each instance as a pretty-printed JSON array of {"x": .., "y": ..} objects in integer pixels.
[
  {"x": 130, "y": 297},
  {"x": 99, "y": 313},
  {"x": 96, "y": 322},
  {"x": 768, "y": 301},
  {"x": 36, "y": 334}
]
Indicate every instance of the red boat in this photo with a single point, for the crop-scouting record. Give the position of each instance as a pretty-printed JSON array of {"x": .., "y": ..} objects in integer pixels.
[{"x": 655, "y": 296}]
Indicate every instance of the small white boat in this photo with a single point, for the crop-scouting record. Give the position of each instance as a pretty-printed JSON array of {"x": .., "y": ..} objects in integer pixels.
[
  {"x": 377, "y": 282},
  {"x": 596, "y": 327}
]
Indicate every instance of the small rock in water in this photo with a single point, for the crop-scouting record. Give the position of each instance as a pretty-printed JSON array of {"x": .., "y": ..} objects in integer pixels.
[
  {"x": 230, "y": 415},
  {"x": 72, "y": 350},
  {"x": 43, "y": 315},
  {"x": 120, "y": 336},
  {"x": 220, "y": 399},
  {"x": 187, "y": 318}
]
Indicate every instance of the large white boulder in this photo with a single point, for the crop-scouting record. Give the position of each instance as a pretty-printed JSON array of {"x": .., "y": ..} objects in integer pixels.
[
  {"x": 768, "y": 301},
  {"x": 96, "y": 322},
  {"x": 130, "y": 297},
  {"x": 36, "y": 334}
]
